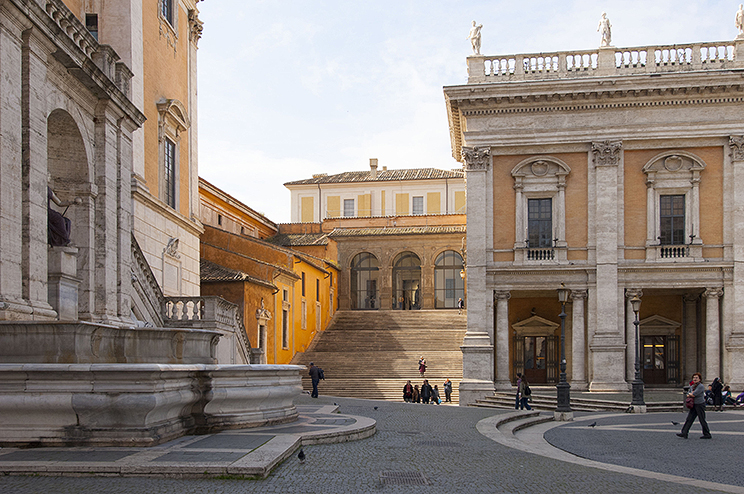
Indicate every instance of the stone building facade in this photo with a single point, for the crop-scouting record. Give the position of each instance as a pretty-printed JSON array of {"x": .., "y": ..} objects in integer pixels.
[{"x": 617, "y": 172}]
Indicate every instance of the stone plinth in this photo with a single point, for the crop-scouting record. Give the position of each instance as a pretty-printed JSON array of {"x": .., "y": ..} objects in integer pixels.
[
  {"x": 139, "y": 404},
  {"x": 63, "y": 283}
]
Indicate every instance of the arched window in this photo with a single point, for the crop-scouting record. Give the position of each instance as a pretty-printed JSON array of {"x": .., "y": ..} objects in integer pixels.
[
  {"x": 407, "y": 281},
  {"x": 448, "y": 284},
  {"x": 365, "y": 271}
]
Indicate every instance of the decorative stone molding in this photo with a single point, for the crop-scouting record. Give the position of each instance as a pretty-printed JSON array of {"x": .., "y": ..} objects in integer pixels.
[
  {"x": 501, "y": 295},
  {"x": 476, "y": 158},
  {"x": 172, "y": 248},
  {"x": 736, "y": 143},
  {"x": 710, "y": 293},
  {"x": 195, "y": 27},
  {"x": 633, "y": 292},
  {"x": 578, "y": 294},
  {"x": 262, "y": 314},
  {"x": 607, "y": 153}
]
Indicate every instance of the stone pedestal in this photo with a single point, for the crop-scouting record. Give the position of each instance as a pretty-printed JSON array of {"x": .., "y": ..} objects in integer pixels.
[
  {"x": 63, "y": 284},
  {"x": 638, "y": 409},
  {"x": 563, "y": 416}
]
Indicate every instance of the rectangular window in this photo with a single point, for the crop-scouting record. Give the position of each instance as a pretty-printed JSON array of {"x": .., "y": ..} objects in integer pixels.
[
  {"x": 170, "y": 173},
  {"x": 317, "y": 316},
  {"x": 317, "y": 290},
  {"x": 348, "y": 207},
  {"x": 167, "y": 10},
  {"x": 418, "y": 205},
  {"x": 540, "y": 223},
  {"x": 219, "y": 219},
  {"x": 303, "y": 314},
  {"x": 285, "y": 295},
  {"x": 303, "y": 284},
  {"x": 91, "y": 24},
  {"x": 285, "y": 328},
  {"x": 672, "y": 220}
]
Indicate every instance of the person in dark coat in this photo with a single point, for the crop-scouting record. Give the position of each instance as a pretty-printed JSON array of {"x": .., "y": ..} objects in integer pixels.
[
  {"x": 717, "y": 388},
  {"x": 315, "y": 377},
  {"x": 448, "y": 390},
  {"x": 426, "y": 392},
  {"x": 416, "y": 395},
  {"x": 697, "y": 392},
  {"x": 408, "y": 392}
]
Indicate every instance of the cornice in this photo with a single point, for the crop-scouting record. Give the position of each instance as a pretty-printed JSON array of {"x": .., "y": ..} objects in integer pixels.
[{"x": 192, "y": 226}]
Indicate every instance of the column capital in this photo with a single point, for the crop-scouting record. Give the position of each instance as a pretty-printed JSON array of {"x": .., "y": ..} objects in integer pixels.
[
  {"x": 501, "y": 295},
  {"x": 633, "y": 292},
  {"x": 578, "y": 294},
  {"x": 607, "y": 153},
  {"x": 715, "y": 292},
  {"x": 477, "y": 159},
  {"x": 736, "y": 143},
  {"x": 690, "y": 297}
]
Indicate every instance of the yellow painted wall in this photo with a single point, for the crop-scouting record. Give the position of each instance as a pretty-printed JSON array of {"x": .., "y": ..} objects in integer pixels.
[
  {"x": 76, "y": 7},
  {"x": 382, "y": 203},
  {"x": 166, "y": 76},
  {"x": 364, "y": 205},
  {"x": 459, "y": 201},
  {"x": 433, "y": 202},
  {"x": 308, "y": 209},
  {"x": 401, "y": 204},
  {"x": 333, "y": 209}
]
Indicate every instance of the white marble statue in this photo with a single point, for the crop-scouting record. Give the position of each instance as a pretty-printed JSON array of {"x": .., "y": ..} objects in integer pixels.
[
  {"x": 605, "y": 28},
  {"x": 475, "y": 37},
  {"x": 740, "y": 20}
]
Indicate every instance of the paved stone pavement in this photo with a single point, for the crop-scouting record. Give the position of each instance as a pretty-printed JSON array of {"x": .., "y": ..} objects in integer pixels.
[{"x": 438, "y": 446}]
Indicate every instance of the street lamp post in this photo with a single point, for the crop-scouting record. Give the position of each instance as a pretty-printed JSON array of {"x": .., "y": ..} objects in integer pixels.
[
  {"x": 563, "y": 410},
  {"x": 638, "y": 385}
]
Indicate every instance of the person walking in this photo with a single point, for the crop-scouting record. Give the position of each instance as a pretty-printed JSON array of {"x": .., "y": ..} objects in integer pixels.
[
  {"x": 416, "y": 395},
  {"x": 426, "y": 392},
  {"x": 422, "y": 366},
  {"x": 697, "y": 393},
  {"x": 315, "y": 373},
  {"x": 524, "y": 392},
  {"x": 460, "y": 305},
  {"x": 519, "y": 387},
  {"x": 716, "y": 388},
  {"x": 408, "y": 392},
  {"x": 447, "y": 391}
]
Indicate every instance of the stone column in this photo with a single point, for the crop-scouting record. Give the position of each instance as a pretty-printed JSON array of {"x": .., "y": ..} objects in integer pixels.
[
  {"x": 578, "y": 358},
  {"x": 35, "y": 52},
  {"x": 734, "y": 339},
  {"x": 608, "y": 348},
  {"x": 712, "y": 334},
  {"x": 690, "y": 336},
  {"x": 630, "y": 340},
  {"x": 12, "y": 305},
  {"x": 502, "y": 339},
  {"x": 477, "y": 346}
]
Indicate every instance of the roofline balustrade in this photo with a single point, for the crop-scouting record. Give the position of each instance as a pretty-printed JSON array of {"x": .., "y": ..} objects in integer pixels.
[{"x": 606, "y": 61}]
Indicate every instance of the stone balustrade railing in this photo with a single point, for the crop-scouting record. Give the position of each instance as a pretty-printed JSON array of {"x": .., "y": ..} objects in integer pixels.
[
  {"x": 208, "y": 313},
  {"x": 606, "y": 61}
]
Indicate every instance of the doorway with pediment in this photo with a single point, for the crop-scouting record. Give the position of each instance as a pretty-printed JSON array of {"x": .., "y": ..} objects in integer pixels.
[{"x": 535, "y": 345}]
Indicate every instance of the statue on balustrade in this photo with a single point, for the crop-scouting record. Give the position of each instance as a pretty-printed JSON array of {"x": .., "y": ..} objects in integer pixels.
[
  {"x": 740, "y": 20},
  {"x": 58, "y": 225},
  {"x": 605, "y": 28},
  {"x": 475, "y": 37}
]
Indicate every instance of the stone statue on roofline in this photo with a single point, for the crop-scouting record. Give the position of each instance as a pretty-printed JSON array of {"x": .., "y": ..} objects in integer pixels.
[
  {"x": 605, "y": 28},
  {"x": 475, "y": 38},
  {"x": 740, "y": 21}
]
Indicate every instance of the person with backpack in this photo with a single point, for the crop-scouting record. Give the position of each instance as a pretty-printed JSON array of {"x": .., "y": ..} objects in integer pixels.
[
  {"x": 524, "y": 392},
  {"x": 316, "y": 374}
]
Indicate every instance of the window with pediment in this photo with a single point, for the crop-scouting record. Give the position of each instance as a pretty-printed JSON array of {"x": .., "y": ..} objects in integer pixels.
[
  {"x": 540, "y": 207},
  {"x": 673, "y": 206},
  {"x": 172, "y": 121}
]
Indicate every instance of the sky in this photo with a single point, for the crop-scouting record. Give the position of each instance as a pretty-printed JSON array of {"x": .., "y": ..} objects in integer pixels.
[{"x": 291, "y": 88}]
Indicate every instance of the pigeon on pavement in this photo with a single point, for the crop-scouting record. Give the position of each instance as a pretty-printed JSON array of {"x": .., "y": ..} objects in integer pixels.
[
  {"x": 301, "y": 456},
  {"x": 593, "y": 424}
]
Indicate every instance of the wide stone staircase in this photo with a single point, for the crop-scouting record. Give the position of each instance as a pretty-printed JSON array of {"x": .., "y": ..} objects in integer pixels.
[
  {"x": 545, "y": 399},
  {"x": 371, "y": 354}
]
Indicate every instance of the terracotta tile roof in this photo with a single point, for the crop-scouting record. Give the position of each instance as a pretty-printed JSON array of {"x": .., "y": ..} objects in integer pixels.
[
  {"x": 396, "y": 230},
  {"x": 210, "y": 271},
  {"x": 382, "y": 176},
  {"x": 293, "y": 239}
]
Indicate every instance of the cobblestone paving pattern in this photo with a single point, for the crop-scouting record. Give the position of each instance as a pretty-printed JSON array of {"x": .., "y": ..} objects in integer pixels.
[
  {"x": 440, "y": 442},
  {"x": 649, "y": 442}
]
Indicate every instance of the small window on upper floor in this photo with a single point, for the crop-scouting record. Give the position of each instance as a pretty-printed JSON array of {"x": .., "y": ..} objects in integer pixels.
[
  {"x": 91, "y": 24},
  {"x": 348, "y": 207},
  {"x": 219, "y": 219},
  {"x": 418, "y": 205},
  {"x": 167, "y": 11},
  {"x": 169, "y": 154}
]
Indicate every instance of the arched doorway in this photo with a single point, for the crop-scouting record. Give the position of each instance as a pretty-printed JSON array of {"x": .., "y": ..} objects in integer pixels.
[
  {"x": 69, "y": 178},
  {"x": 449, "y": 286},
  {"x": 407, "y": 281},
  {"x": 365, "y": 271}
]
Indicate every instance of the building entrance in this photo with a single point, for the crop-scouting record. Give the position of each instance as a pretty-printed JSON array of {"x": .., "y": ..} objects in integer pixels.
[
  {"x": 407, "y": 281},
  {"x": 660, "y": 359}
]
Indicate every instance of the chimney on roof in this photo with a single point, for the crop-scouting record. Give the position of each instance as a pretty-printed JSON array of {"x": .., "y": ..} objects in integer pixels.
[
  {"x": 373, "y": 167},
  {"x": 384, "y": 168}
]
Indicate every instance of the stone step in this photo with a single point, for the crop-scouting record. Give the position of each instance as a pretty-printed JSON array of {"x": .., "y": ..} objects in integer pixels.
[{"x": 547, "y": 402}]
